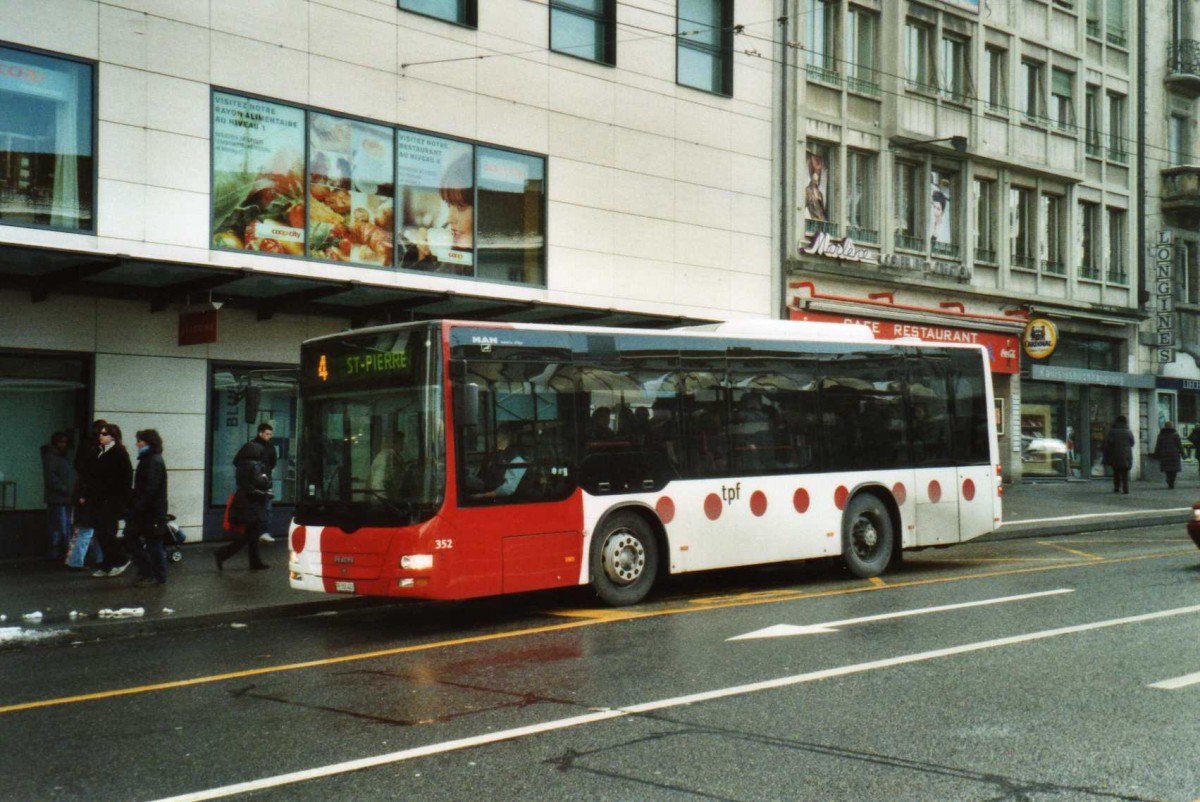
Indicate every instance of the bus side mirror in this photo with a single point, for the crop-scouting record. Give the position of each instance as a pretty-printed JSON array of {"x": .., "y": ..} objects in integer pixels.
[{"x": 466, "y": 404}]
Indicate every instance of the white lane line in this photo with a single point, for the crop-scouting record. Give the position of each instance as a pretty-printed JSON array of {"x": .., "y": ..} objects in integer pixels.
[
  {"x": 1085, "y": 516},
  {"x": 662, "y": 704},
  {"x": 1177, "y": 683},
  {"x": 783, "y": 630}
]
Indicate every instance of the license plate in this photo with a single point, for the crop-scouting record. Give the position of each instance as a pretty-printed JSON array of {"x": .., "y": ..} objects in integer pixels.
[{"x": 343, "y": 586}]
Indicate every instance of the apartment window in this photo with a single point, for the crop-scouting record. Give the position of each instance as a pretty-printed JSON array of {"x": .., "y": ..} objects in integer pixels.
[
  {"x": 863, "y": 39},
  {"x": 860, "y": 197},
  {"x": 918, "y": 40},
  {"x": 1093, "y": 18},
  {"x": 995, "y": 83},
  {"x": 909, "y": 204},
  {"x": 1177, "y": 140},
  {"x": 1182, "y": 279},
  {"x": 985, "y": 220},
  {"x": 1062, "y": 109},
  {"x": 1116, "y": 128},
  {"x": 46, "y": 165},
  {"x": 821, "y": 42},
  {"x": 1089, "y": 240},
  {"x": 955, "y": 82},
  {"x": 1022, "y": 227},
  {"x": 818, "y": 193},
  {"x": 584, "y": 28},
  {"x": 1118, "y": 272},
  {"x": 1114, "y": 27},
  {"x": 463, "y": 12},
  {"x": 704, "y": 49},
  {"x": 943, "y": 195},
  {"x": 1189, "y": 269},
  {"x": 1053, "y": 220},
  {"x": 1033, "y": 98},
  {"x": 1091, "y": 121}
]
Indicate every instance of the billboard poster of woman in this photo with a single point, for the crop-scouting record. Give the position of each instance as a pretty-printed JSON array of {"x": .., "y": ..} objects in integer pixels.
[
  {"x": 816, "y": 194},
  {"x": 940, "y": 228}
]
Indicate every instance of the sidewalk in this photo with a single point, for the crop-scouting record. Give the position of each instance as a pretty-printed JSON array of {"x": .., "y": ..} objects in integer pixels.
[{"x": 197, "y": 595}]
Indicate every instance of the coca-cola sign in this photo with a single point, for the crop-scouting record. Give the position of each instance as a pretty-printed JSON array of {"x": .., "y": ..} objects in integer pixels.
[{"x": 824, "y": 245}]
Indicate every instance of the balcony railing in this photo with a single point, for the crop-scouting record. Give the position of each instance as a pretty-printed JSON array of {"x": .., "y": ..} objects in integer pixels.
[
  {"x": 909, "y": 243},
  {"x": 1024, "y": 262},
  {"x": 1054, "y": 267},
  {"x": 863, "y": 86},
  {"x": 986, "y": 255},
  {"x": 1118, "y": 156},
  {"x": 1181, "y": 189},
  {"x": 946, "y": 249},
  {"x": 868, "y": 236},
  {"x": 1118, "y": 276},
  {"x": 821, "y": 227},
  {"x": 1116, "y": 36},
  {"x": 1093, "y": 28},
  {"x": 1183, "y": 66},
  {"x": 826, "y": 75}
]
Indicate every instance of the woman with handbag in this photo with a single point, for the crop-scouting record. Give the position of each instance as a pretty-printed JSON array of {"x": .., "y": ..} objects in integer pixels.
[{"x": 146, "y": 523}]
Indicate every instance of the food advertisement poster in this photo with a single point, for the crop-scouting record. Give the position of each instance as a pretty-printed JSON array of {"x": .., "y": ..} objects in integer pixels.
[
  {"x": 258, "y": 175},
  {"x": 436, "y": 182},
  {"x": 351, "y": 211}
]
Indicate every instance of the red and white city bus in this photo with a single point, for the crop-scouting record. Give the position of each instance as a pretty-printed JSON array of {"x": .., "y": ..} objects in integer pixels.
[{"x": 448, "y": 460}]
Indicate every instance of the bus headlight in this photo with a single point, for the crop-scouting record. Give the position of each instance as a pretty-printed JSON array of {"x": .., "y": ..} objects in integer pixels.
[{"x": 416, "y": 562}]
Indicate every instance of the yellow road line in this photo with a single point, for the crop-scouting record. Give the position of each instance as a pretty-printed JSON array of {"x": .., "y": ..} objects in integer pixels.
[
  {"x": 1076, "y": 552},
  {"x": 877, "y": 582},
  {"x": 607, "y": 616}
]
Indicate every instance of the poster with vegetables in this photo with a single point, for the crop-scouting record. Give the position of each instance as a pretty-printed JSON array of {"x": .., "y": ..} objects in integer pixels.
[
  {"x": 436, "y": 180},
  {"x": 258, "y": 175},
  {"x": 351, "y": 189}
]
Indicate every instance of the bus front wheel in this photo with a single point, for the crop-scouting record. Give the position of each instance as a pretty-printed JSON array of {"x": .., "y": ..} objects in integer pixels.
[
  {"x": 624, "y": 559},
  {"x": 867, "y": 541}
]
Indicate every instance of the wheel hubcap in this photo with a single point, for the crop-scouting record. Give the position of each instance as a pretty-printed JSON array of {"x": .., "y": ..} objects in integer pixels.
[
  {"x": 624, "y": 557},
  {"x": 864, "y": 536}
]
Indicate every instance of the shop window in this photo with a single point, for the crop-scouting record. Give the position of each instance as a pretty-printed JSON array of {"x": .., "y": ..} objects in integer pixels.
[
  {"x": 704, "y": 45},
  {"x": 585, "y": 29},
  {"x": 463, "y": 12},
  {"x": 376, "y": 196},
  {"x": 46, "y": 166},
  {"x": 242, "y": 398},
  {"x": 43, "y": 395}
]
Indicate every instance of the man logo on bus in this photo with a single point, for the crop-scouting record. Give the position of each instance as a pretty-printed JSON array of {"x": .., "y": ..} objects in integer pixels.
[{"x": 731, "y": 493}]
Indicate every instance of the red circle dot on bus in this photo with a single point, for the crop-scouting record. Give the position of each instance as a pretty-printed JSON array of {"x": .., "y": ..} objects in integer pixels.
[
  {"x": 899, "y": 492},
  {"x": 758, "y": 503},
  {"x": 712, "y": 506},
  {"x": 968, "y": 490},
  {"x": 665, "y": 509},
  {"x": 800, "y": 500},
  {"x": 299, "y": 535},
  {"x": 839, "y": 497},
  {"x": 935, "y": 491}
]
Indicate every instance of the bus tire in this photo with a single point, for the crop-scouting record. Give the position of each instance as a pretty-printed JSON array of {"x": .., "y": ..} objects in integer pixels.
[
  {"x": 624, "y": 559},
  {"x": 867, "y": 538}
]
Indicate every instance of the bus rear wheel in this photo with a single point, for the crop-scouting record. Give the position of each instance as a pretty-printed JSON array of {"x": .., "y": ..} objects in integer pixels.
[
  {"x": 867, "y": 538},
  {"x": 624, "y": 559}
]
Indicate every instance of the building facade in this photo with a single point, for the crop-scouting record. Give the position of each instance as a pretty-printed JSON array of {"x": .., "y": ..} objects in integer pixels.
[
  {"x": 967, "y": 171},
  {"x": 190, "y": 189}
]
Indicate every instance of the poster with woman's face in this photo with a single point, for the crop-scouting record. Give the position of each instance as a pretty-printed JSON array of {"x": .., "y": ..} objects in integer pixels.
[
  {"x": 436, "y": 181},
  {"x": 940, "y": 230},
  {"x": 816, "y": 193}
]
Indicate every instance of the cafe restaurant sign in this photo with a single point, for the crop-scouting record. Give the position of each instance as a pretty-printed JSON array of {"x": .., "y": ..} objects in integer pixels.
[
  {"x": 1002, "y": 348},
  {"x": 824, "y": 245}
]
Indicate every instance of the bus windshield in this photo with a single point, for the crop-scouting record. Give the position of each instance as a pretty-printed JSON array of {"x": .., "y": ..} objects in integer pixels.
[{"x": 373, "y": 443}]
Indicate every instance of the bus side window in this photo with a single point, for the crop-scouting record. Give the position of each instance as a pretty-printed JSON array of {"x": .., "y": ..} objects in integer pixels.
[{"x": 928, "y": 421}]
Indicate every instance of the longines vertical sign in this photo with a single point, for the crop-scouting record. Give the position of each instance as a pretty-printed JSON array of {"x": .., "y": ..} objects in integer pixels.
[{"x": 1164, "y": 298}]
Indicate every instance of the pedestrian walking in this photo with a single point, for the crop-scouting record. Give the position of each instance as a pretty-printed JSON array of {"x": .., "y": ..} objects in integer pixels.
[
  {"x": 1118, "y": 453},
  {"x": 260, "y": 450},
  {"x": 249, "y": 507},
  {"x": 1194, "y": 439},
  {"x": 82, "y": 536},
  {"x": 146, "y": 523},
  {"x": 1168, "y": 450},
  {"x": 106, "y": 495},
  {"x": 58, "y": 485}
]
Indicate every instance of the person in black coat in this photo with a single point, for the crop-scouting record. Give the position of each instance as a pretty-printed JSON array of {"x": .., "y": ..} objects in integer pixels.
[
  {"x": 145, "y": 525},
  {"x": 1118, "y": 453},
  {"x": 1168, "y": 450},
  {"x": 259, "y": 454},
  {"x": 253, "y": 464},
  {"x": 105, "y": 496}
]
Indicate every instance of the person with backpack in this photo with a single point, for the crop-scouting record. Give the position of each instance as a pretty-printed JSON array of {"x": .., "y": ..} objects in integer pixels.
[
  {"x": 260, "y": 450},
  {"x": 248, "y": 510}
]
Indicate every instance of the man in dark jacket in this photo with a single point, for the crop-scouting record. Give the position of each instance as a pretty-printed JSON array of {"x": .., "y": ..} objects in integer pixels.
[
  {"x": 1168, "y": 450},
  {"x": 258, "y": 456},
  {"x": 1118, "y": 453},
  {"x": 146, "y": 522},
  {"x": 58, "y": 485}
]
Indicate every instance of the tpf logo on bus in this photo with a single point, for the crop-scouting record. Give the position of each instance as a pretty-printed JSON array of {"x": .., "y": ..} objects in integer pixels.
[{"x": 731, "y": 493}]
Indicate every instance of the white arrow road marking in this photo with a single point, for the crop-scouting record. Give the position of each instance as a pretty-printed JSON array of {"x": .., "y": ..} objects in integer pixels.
[
  {"x": 607, "y": 714},
  {"x": 1177, "y": 683},
  {"x": 785, "y": 630}
]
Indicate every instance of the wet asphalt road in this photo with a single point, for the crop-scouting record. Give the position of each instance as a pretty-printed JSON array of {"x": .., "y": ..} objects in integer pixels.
[{"x": 909, "y": 696}]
